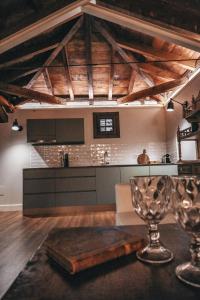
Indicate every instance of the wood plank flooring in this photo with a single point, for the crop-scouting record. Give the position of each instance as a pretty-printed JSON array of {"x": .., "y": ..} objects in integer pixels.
[{"x": 21, "y": 236}]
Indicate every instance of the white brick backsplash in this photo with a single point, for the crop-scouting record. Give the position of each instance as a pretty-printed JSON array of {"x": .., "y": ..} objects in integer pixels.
[{"x": 86, "y": 155}]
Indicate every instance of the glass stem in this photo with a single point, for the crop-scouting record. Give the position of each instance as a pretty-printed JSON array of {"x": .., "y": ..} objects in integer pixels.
[
  {"x": 154, "y": 236},
  {"x": 195, "y": 251}
]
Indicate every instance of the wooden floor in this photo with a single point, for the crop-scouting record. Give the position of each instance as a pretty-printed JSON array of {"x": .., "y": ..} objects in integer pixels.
[{"x": 21, "y": 236}]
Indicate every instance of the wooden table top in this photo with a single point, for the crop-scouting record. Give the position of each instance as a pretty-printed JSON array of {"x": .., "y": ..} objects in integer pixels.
[{"x": 123, "y": 278}]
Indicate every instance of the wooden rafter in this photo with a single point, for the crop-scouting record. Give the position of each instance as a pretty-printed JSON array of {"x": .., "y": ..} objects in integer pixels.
[
  {"x": 29, "y": 94},
  {"x": 27, "y": 57},
  {"x": 167, "y": 32},
  {"x": 51, "y": 21},
  {"x": 21, "y": 75},
  {"x": 114, "y": 45},
  {"x": 47, "y": 80},
  {"x": 166, "y": 74},
  {"x": 4, "y": 102},
  {"x": 57, "y": 50},
  {"x": 67, "y": 73},
  {"x": 88, "y": 48},
  {"x": 111, "y": 77},
  {"x": 159, "y": 55},
  {"x": 155, "y": 90}
]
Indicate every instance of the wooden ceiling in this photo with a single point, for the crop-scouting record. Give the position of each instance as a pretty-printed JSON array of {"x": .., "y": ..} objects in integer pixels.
[{"x": 70, "y": 51}]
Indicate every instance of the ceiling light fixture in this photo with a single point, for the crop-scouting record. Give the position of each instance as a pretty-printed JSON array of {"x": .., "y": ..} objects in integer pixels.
[{"x": 16, "y": 126}]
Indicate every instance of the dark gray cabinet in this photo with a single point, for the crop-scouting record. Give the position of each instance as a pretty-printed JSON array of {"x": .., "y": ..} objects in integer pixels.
[
  {"x": 55, "y": 131},
  {"x": 41, "y": 130},
  {"x": 106, "y": 178},
  {"x": 70, "y": 131}
]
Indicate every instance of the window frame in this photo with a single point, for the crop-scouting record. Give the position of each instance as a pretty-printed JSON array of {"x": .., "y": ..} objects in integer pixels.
[{"x": 97, "y": 133}]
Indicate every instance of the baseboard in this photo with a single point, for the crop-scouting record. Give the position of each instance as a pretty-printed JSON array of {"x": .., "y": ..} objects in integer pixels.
[
  {"x": 67, "y": 210},
  {"x": 10, "y": 207}
]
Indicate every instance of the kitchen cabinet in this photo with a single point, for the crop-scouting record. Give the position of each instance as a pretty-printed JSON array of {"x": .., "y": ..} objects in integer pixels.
[
  {"x": 40, "y": 130},
  {"x": 128, "y": 172},
  {"x": 55, "y": 131},
  {"x": 70, "y": 131},
  {"x": 106, "y": 178},
  {"x": 60, "y": 188},
  {"x": 163, "y": 170}
]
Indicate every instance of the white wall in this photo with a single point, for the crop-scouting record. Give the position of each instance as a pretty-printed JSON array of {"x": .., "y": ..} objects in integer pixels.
[
  {"x": 139, "y": 127},
  {"x": 175, "y": 119}
]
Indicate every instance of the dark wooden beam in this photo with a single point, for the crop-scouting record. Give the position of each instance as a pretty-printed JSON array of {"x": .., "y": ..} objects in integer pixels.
[
  {"x": 26, "y": 57},
  {"x": 88, "y": 49},
  {"x": 21, "y": 75},
  {"x": 135, "y": 22},
  {"x": 53, "y": 20},
  {"x": 29, "y": 94},
  {"x": 6, "y": 103},
  {"x": 47, "y": 80},
  {"x": 104, "y": 32},
  {"x": 159, "y": 55},
  {"x": 111, "y": 77},
  {"x": 57, "y": 50},
  {"x": 155, "y": 90},
  {"x": 67, "y": 73}
]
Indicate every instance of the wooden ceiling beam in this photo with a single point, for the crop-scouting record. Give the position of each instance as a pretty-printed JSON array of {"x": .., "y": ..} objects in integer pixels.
[
  {"x": 150, "y": 27},
  {"x": 159, "y": 55},
  {"x": 24, "y": 74},
  {"x": 4, "y": 102},
  {"x": 57, "y": 50},
  {"x": 29, "y": 94},
  {"x": 104, "y": 32},
  {"x": 27, "y": 56},
  {"x": 67, "y": 73},
  {"x": 155, "y": 90},
  {"x": 88, "y": 49},
  {"x": 53, "y": 20},
  {"x": 47, "y": 80},
  {"x": 111, "y": 77},
  {"x": 136, "y": 67}
]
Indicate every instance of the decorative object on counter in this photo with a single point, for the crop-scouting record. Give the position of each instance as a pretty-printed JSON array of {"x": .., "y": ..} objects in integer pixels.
[
  {"x": 77, "y": 249},
  {"x": 151, "y": 201},
  {"x": 186, "y": 204},
  {"x": 105, "y": 158},
  {"x": 166, "y": 159},
  {"x": 16, "y": 126},
  {"x": 143, "y": 159},
  {"x": 64, "y": 159}
]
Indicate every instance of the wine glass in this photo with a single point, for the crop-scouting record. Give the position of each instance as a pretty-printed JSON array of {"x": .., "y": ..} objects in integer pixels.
[
  {"x": 150, "y": 198},
  {"x": 186, "y": 204}
]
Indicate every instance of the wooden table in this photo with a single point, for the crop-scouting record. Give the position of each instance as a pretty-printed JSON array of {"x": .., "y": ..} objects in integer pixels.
[{"x": 124, "y": 278}]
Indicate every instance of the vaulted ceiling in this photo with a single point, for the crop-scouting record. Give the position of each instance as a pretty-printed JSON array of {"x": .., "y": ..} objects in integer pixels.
[{"x": 106, "y": 52}]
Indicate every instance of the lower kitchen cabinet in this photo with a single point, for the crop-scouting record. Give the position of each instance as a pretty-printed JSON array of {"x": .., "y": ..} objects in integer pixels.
[
  {"x": 106, "y": 178},
  {"x": 73, "y": 199},
  {"x": 46, "y": 200},
  {"x": 65, "y": 187},
  {"x": 128, "y": 172}
]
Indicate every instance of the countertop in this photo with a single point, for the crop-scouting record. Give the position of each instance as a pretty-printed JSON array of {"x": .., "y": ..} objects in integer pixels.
[{"x": 104, "y": 166}]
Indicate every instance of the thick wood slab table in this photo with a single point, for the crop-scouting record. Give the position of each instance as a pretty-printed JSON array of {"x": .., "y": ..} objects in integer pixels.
[{"x": 124, "y": 278}]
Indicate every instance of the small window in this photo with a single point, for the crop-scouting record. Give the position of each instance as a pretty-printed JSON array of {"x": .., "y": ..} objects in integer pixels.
[{"x": 106, "y": 125}]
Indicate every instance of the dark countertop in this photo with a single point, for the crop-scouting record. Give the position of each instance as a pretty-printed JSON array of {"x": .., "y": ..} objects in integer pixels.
[{"x": 105, "y": 166}]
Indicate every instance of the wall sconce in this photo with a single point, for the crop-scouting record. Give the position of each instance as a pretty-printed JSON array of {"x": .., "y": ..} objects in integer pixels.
[
  {"x": 16, "y": 126},
  {"x": 170, "y": 104}
]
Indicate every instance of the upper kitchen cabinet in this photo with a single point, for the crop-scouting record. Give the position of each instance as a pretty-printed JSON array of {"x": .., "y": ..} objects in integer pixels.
[
  {"x": 41, "y": 130},
  {"x": 55, "y": 131},
  {"x": 70, "y": 131}
]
